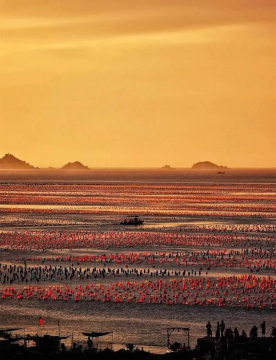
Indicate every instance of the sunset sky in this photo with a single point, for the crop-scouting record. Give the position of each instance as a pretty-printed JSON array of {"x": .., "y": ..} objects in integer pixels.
[{"x": 126, "y": 83}]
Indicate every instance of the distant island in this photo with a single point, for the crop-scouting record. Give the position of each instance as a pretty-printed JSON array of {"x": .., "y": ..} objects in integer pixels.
[
  {"x": 168, "y": 167},
  {"x": 10, "y": 162},
  {"x": 75, "y": 166},
  {"x": 207, "y": 165}
]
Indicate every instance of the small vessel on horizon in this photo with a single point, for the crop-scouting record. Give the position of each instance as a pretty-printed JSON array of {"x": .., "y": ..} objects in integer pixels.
[{"x": 134, "y": 220}]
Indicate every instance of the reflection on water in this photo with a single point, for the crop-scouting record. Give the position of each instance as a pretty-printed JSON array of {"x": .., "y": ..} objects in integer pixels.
[
  {"x": 47, "y": 207},
  {"x": 249, "y": 241},
  {"x": 152, "y": 225}
]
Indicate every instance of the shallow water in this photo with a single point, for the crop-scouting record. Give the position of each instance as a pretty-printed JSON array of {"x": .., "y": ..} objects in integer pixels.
[{"x": 143, "y": 324}]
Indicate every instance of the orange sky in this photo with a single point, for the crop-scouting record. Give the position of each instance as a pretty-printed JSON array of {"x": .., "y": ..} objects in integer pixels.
[{"x": 125, "y": 83}]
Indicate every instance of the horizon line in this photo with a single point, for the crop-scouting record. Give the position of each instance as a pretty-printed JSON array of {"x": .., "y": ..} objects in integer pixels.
[
  {"x": 169, "y": 167},
  {"x": 142, "y": 167}
]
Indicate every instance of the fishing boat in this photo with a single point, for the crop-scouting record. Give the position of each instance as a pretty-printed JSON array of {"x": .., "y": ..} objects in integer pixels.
[{"x": 134, "y": 220}]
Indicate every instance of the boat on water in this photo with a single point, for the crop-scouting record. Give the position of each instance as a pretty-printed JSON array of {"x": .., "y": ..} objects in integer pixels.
[{"x": 133, "y": 220}]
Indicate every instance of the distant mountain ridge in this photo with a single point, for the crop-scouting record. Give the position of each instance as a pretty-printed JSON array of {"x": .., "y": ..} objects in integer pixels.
[
  {"x": 75, "y": 166},
  {"x": 207, "y": 165},
  {"x": 10, "y": 162}
]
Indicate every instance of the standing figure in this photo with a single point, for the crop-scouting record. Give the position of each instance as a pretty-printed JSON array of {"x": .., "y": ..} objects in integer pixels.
[
  {"x": 236, "y": 334},
  {"x": 222, "y": 328},
  {"x": 254, "y": 332},
  {"x": 209, "y": 329},
  {"x": 263, "y": 328},
  {"x": 217, "y": 331},
  {"x": 89, "y": 343}
]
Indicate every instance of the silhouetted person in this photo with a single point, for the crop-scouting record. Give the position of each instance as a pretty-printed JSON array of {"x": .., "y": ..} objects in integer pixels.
[
  {"x": 254, "y": 332},
  {"x": 263, "y": 328},
  {"x": 89, "y": 343},
  {"x": 209, "y": 329},
  {"x": 222, "y": 328},
  {"x": 273, "y": 332},
  {"x": 236, "y": 334},
  {"x": 244, "y": 336},
  {"x": 217, "y": 330},
  {"x": 229, "y": 333}
]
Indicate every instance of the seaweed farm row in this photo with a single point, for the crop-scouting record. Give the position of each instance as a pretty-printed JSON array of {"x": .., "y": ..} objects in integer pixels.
[{"x": 205, "y": 252}]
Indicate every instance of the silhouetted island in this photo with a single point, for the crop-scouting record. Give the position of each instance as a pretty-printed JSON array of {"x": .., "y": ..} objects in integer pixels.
[
  {"x": 10, "y": 162},
  {"x": 207, "y": 165},
  {"x": 168, "y": 167},
  {"x": 75, "y": 166}
]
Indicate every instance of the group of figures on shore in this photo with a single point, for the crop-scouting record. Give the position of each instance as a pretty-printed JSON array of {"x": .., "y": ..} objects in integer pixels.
[{"x": 221, "y": 331}]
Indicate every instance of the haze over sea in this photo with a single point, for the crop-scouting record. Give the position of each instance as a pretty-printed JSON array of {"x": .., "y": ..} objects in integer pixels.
[{"x": 205, "y": 252}]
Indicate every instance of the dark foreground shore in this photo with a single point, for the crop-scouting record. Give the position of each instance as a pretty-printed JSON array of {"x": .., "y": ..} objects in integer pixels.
[{"x": 206, "y": 349}]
